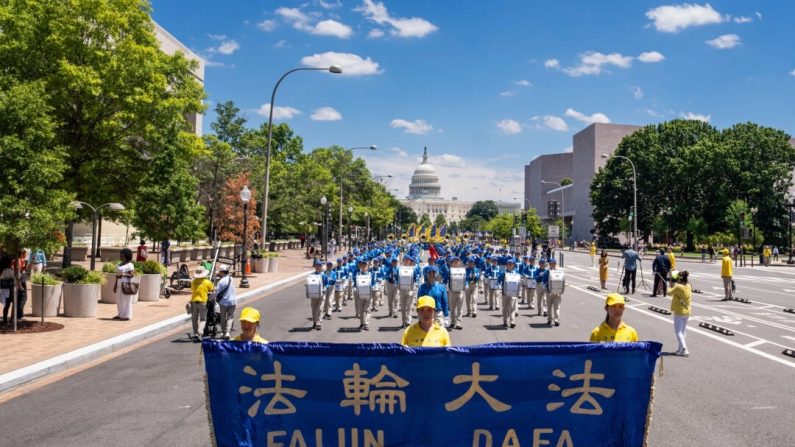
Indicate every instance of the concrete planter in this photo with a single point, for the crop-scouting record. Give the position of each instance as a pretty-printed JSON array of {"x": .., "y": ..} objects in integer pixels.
[
  {"x": 271, "y": 246},
  {"x": 195, "y": 253},
  {"x": 80, "y": 300},
  {"x": 259, "y": 265},
  {"x": 149, "y": 290},
  {"x": 78, "y": 253},
  {"x": 108, "y": 295},
  {"x": 273, "y": 265},
  {"x": 111, "y": 253},
  {"x": 207, "y": 252},
  {"x": 184, "y": 254},
  {"x": 52, "y": 299}
]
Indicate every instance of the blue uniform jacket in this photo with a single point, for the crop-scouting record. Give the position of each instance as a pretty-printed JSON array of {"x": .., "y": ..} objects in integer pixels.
[{"x": 439, "y": 294}]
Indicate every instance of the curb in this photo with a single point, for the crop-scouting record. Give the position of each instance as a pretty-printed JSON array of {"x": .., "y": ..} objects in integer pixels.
[{"x": 91, "y": 352}]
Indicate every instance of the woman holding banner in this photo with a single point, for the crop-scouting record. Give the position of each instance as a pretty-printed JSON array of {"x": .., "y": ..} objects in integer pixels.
[
  {"x": 427, "y": 331},
  {"x": 613, "y": 329}
]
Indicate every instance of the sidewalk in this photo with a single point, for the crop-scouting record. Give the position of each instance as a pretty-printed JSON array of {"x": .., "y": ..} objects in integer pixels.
[{"x": 25, "y": 357}]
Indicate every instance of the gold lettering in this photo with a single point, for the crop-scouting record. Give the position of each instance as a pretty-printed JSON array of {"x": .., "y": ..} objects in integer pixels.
[
  {"x": 476, "y": 437},
  {"x": 297, "y": 440},
  {"x": 565, "y": 440},
  {"x": 272, "y": 438},
  {"x": 318, "y": 437},
  {"x": 341, "y": 437},
  {"x": 371, "y": 441},
  {"x": 354, "y": 437},
  {"x": 537, "y": 441},
  {"x": 510, "y": 439}
]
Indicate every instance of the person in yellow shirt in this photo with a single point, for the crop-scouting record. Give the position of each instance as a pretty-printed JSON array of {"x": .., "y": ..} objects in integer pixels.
[
  {"x": 199, "y": 287},
  {"x": 249, "y": 326},
  {"x": 726, "y": 275},
  {"x": 681, "y": 297},
  {"x": 672, "y": 257},
  {"x": 426, "y": 332},
  {"x": 613, "y": 329},
  {"x": 593, "y": 252},
  {"x": 766, "y": 253},
  {"x": 603, "y": 266}
]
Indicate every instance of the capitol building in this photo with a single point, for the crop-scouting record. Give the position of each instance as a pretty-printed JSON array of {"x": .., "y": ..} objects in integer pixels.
[{"x": 425, "y": 196}]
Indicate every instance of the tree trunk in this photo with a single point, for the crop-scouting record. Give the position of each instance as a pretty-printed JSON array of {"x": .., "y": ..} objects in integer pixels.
[{"x": 67, "y": 251}]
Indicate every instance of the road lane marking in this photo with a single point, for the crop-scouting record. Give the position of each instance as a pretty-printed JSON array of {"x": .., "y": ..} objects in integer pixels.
[{"x": 755, "y": 343}]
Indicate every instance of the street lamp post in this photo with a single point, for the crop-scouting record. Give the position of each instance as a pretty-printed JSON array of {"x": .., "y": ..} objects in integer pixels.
[
  {"x": 245, "y": 197},
  {"x": 324, "y": 236},
  {"x": 634, "y": 195},
  {"x": 372, "y": 147},
  {"x": 562, "y": 212},
  {"x": 350, "y": 211},
  {"x": 77, "y": 204},
  {"x": 790, "y": 205},
  {"x": 332, "y": 69},
  {"x": 367, "y": 216}
]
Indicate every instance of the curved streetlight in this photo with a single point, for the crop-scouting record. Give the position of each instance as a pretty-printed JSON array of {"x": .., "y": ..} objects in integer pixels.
[
  {"x": 113, "y": 206},
  {"x": 245, "y": 197},
  {"x": 529, "y": 205},
  {"x": 371, "y": 147},
  {"x": 635, "y": 196},
  {"x": 332, "y": 69},
  {"x": 324, "y": 236},
  {"x": 562, "y": 212}
]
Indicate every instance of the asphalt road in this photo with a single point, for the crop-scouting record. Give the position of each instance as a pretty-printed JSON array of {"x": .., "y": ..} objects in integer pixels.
[{"x": 732, "y": 391}]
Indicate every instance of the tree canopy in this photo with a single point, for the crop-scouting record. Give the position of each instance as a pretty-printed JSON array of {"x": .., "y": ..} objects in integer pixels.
[{"x": 486, "y": 209}]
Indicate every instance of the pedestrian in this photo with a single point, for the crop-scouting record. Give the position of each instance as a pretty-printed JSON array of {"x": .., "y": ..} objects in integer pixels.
[
  {"x": 556, "y": 285},
  {"x": 529, "y": 282},
  {"x": 775, "y": 253},
  {"x": 681, "y": 297},
  {"x": 631, "y": 260},
  {"x": 165, "y": 245},
  {"x": 21, "y": 285},
  {"x": 315, "y": 290},
  {"x": 711, "y": 251},
  {"x": 226, "y": 296},
  {"x": 613, "y": 329},
  {"x": 141, "y": 254},
  {"x": 124, "y": 288},
  {"x": 340, "y": 277},
  {"x": 726, "y": 275},
  {"x": 302, "y": 238},
  {"x": 408, "y": 277},
  {"x": 426, "y": 331},
  {"x": 660, "y": 266},
  {"x": 603, "y": 267},
  {"x": 200, "y": 287},
  {"x": 593, "y": 253},
  {"x": 391, "y": 285},
  {"x": 671, "y": 260},
  {"x": 703, "y": 254},
  {"x": 510, "y": 283},
  {"x": 7, "y": 283},
  {"x": 431, "y": 287},
  {"x": 767, "y": 253},
  {"x": 38, "y": 262},
  {"x": 249, "y": 326}
]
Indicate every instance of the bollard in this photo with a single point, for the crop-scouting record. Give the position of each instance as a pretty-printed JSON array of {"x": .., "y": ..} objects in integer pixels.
[
  {"x": 715, "y": 328},
  {"x": 789, "y": 352},
  {"x": 741, "y": 300},
  {"x": 561, "y": 259},
  {"x": 697, "y": 291},
  {"x": 595, "y": 289},
  {"x": 790, "y": 310},
  {"x": 659, "y": 310}
]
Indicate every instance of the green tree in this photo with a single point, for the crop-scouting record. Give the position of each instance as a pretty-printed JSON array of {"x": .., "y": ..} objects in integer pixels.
[
  {"x": 230, "y": 127},
  {"x": 440, "y": 220},
  {"x": 501, "y": 226},
  {"x": 486, "y": 209},
  {"x": 33, "y": 207},
  {"x": 213, "y": 167},
  {"x": 425, "y": 220},
  {"x": 474, "y": 223},
  {"x": 406, "y": 216},
  {"x": 566, "y": 181},
  {"x": 533, "y": 223}
]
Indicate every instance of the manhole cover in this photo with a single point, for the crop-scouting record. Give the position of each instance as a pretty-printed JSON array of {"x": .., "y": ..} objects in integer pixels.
[{"x": 29, "y": 327}]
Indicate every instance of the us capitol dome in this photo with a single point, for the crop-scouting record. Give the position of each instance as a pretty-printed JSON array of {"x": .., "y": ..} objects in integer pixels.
[{"x": 425, "y": 182}]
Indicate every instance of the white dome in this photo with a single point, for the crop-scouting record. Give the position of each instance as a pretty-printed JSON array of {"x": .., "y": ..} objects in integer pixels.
[{"x": 425, "y": 182}]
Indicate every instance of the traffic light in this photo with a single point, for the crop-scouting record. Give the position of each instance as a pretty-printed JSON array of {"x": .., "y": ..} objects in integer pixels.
[
  {"x": 524, "y": 218},
  {"x": 551, "y": 209},
  {"x": 557, "y": 209}
]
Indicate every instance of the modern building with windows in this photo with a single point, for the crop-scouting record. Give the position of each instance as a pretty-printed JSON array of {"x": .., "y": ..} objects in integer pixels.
[{"x": 425, "y": 196}]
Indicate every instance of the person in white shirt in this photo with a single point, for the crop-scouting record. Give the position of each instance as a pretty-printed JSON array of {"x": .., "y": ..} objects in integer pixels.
[{"x": 226, "y": 296}]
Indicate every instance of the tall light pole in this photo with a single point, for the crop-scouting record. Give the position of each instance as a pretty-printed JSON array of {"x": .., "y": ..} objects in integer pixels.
[
  {"x": 245, "y": 197},
  {"x": 790, "y": 205},
  {"x": 367, "y": 216},
  {"x": 77, "y": 204},
  {"x": 562, "y": 212},
  {"x": 350, "y": 211},
  {"x": 324, "y": 236},
  {"x": 332, "y": 69},
  {"x": 372, "y": 147},
  {"x": 634, "y": 194}
]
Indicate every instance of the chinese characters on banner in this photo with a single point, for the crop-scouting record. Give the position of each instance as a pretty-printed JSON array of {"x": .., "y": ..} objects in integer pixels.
[{"x": 319, "y": 394}]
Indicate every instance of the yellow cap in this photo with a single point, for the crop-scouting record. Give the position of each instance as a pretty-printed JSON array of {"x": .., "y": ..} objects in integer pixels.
[
  {"x": 675, "y": 274},
  {"x": 426, "y": 301},
  {"x": 725, "y": 251},
  {"x": 250, "y": 314},
  {"x": 614, "y": 298}
]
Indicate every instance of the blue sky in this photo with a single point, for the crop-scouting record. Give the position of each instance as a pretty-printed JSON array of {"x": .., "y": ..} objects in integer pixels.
[{"x": 488, "y": 86}]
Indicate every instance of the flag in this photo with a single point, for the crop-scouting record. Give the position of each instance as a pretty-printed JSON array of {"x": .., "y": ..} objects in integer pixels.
[
  {"x": 411, "y": 231},
  {"x": 434, "y": 231},
  {"x": 433, "y": 254},
  {"x": 443, "y": 231},
  {"x": 427, "y": 232}
]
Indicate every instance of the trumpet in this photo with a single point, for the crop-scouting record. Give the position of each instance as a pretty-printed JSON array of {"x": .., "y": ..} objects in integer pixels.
[{"x": 390, "y": 236}]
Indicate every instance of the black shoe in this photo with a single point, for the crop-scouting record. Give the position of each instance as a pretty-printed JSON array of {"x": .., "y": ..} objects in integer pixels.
[
  {"x": 317, "y": 327},
  {"x": 474, "y": 315},
  {"x": 459, "y": 327},
  {"x": 557, "y": 323},
  {"x": 505, "y": 325},
  {"x": 652, "y": 296},
  {"x": 513, "y": 325},
  {"x": 366, "y": 327}
]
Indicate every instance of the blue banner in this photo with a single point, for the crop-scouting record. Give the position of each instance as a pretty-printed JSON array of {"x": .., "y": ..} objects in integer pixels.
[{"x": 366, "y": 395}]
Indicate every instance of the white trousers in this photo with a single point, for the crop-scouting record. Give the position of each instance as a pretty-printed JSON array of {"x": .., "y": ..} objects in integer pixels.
[
  {"x": 541, "y": 299},
  {"x": 456, "y": 307},
  {"x": 509, "y": 306},
  {"x": 680, "y": 326},
  {"x": 553, "y": 302},
  {"x": 406, "y": 304}
]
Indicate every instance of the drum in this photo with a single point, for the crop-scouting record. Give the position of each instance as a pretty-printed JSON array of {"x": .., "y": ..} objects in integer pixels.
[
  {"x": 314, "y": 286},
  {"x": 406, "y": 278},
  {"x": 363, "y": 286},
  {"x": 511, "y": 284},
  {"x": 457, "y": 276}
]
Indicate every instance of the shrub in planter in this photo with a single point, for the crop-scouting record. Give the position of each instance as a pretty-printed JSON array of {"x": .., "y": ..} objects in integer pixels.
[
  {"x": 153, "y": 273},
  {"x": 109, "y": 271},
  {"x": 49, "y": 298},
  {"x": 81, "y": 291}
]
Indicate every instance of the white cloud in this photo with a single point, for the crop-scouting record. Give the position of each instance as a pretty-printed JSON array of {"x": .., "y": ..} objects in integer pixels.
[
  {"x": 228, "y": 47},
  {"x": 653, "y": 113},
  {"x": 303, "y": 22},
  {"x": 330, "y": 5},
  {"x": 447, "y": 160},
  {"x": 400, "y": 27},
  {"x": 551, "y": 63},
  {"x": 555, "y": 123},
  {"x": 509, "y": 127},
  {"x": 568, "y": 149},
  {"x": 279, "y": 112},
  {"x": 592, "y": 63},
  {"x": 724, "y": 42},
  {"x": 792, "y": 72},
  {"x": 281, "y": 44},
  {"x": 211, "y": 63},
  {"x": 637, "y": 92},
  {"x": 523, "y": 83},
  {"x": 217, "y": 36},
  {"x": 351, "y": 64},
  {"x": 375, "y": 33},
  {"x": 651, "y": 56},
  {"x": 417, "y": 127},
  {"x": 673, "y": 18},
  {"x": 508, "y": 93},
  {"x": 326, "y": 114},
  {"x": 758, "y": 15},
  {"x": 267, "y": 25},
  {"x": 697, "y": 116},
  {"x": 587, "y": 119},
  {"x": 398, "y": 151},
  {"x": 743, "y": 19}
]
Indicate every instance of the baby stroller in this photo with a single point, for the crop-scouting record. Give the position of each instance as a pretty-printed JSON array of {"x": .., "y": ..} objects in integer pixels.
[{"x": 180, "y": 279}]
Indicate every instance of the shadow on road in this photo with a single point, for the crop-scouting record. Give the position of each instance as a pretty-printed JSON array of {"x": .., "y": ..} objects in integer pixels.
[
  {"x": 301, "y": 329},
  {"x": 390, "y": 328},
  {"x": 349, "y": 329},
  {"x": 495, "y": 327},
  {"x": 541, "y": 325}
]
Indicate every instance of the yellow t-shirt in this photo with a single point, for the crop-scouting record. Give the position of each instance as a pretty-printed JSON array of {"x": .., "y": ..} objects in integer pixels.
[
  {"x": 436, "y": 337},
  {"x": 726, "y": 267},
  {"x": 256, "y": 339},
  {"x": 672, "y": 258},
  {"x": 681, "y": 296},
  {"x": 605, "y": 333},
  {"x": 593, "y": 250},
  {"x": 199, "y": 288}
]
